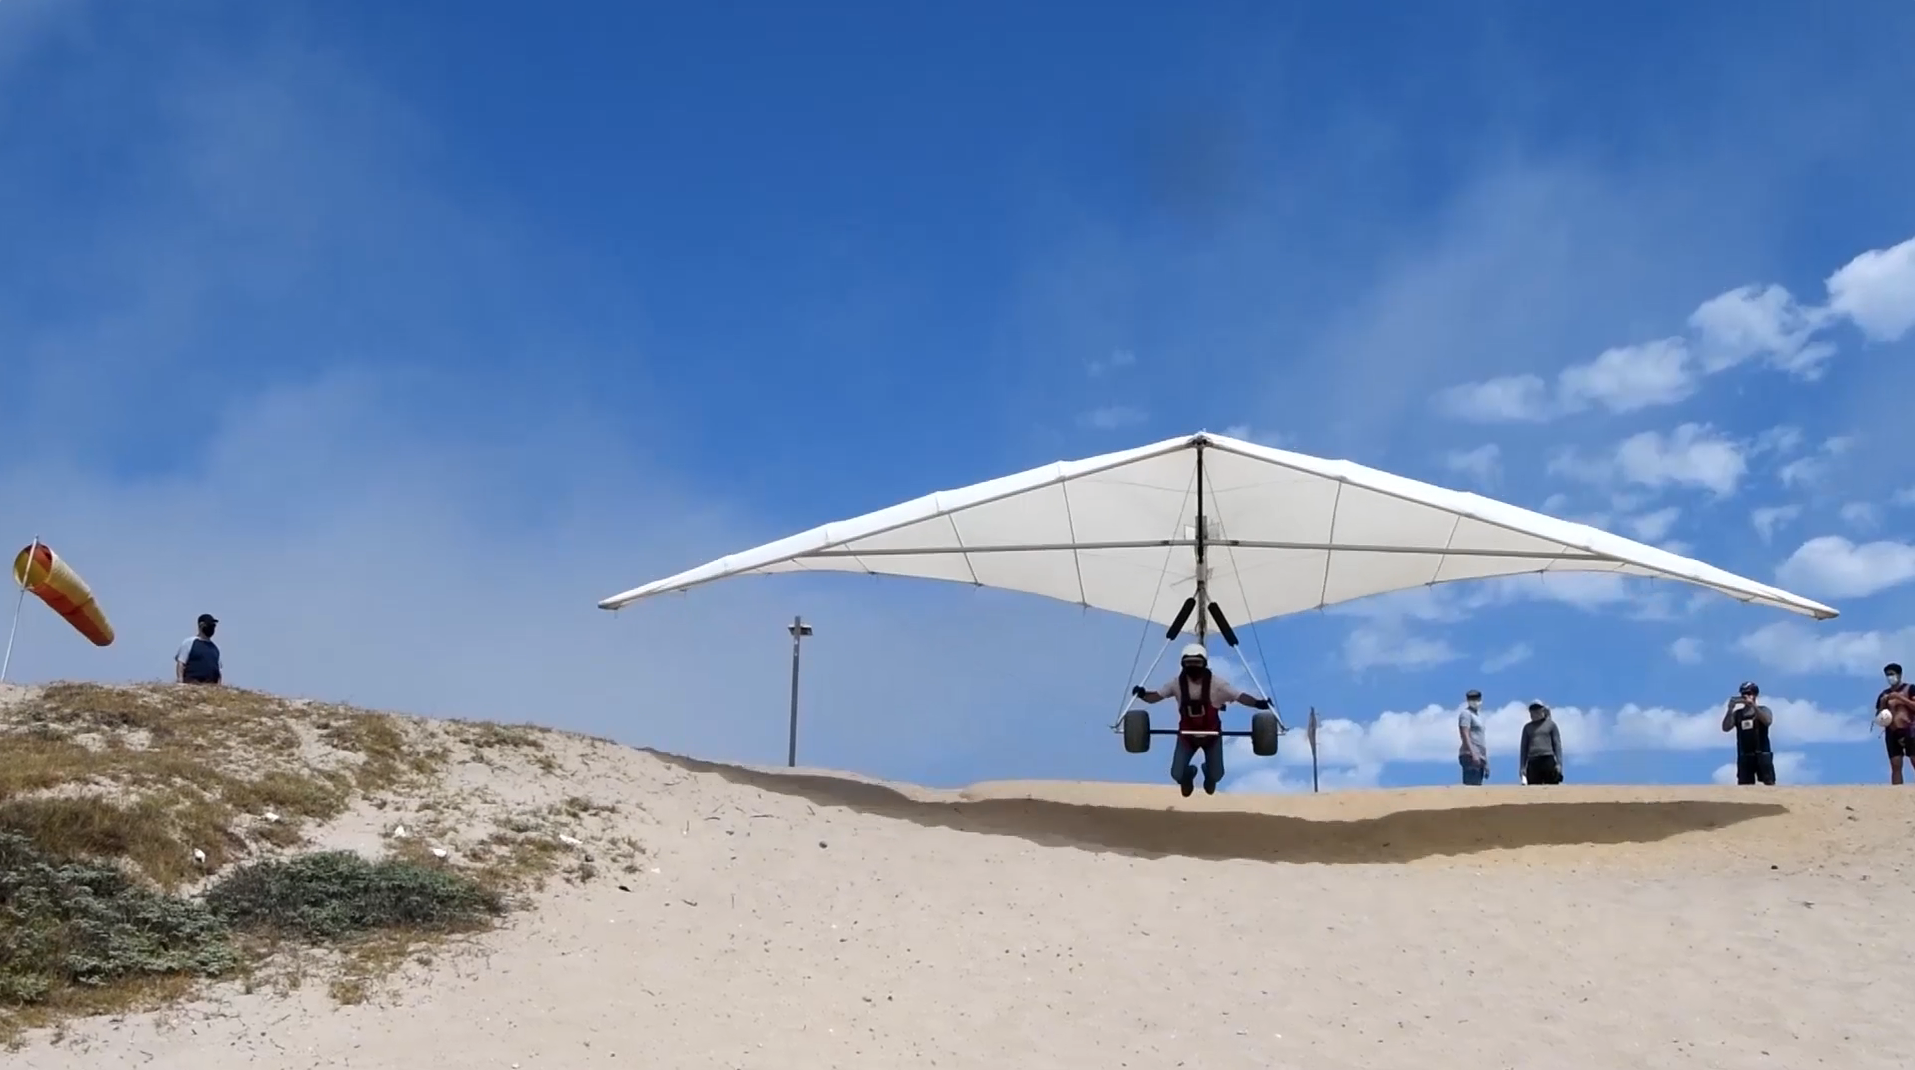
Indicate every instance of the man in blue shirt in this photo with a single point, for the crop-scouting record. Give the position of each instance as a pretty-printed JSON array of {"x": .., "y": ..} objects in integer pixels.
[
  {"x": 197, "y": 659},
  {"x": 1473, "y": 754}
]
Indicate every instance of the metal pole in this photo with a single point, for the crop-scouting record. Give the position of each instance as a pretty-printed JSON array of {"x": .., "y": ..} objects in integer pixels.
[
  {"x": 1313, "y": 749},
  {"x": 14, "y": 629},
  {"x": 799, "y": 629}
]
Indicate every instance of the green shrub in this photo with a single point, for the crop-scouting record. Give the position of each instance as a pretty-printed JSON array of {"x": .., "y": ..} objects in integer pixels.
[
  {"x": 67, "y": 925},
  {"x": 339, "y": 894}
]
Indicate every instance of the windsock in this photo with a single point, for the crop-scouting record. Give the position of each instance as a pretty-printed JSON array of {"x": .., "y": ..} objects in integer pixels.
[{"x": 38, "y": 569}]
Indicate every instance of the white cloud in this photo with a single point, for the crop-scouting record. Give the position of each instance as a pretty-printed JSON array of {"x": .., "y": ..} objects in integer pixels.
[
  {"x": 1758, "y": 322},
  {"x": 1834, "y": 567},
  {"x": 1284, "y": 780},
  {"x": 1905, "y": 496},
  {"x": 1509, "y": 399},
  {"x": 1767, "y": 518},
  {"x": 1620, "y": 379},
  {"x": 1628, "y": 378},
  {"x": 1247, "y": 433},
  {"x": 1687, "y": 650},
  {"x": 1799, "y": 649},
  {"x": 1122, "y": 358},
  {"x": 1780, "y": 439},
  {"x": 1791, "y": 767},
  {"x": 1876, "y": 290},
  {"x": 1692, "y": 455},
  {"x": 1481, "y": 464},
  {"x": 1434, "y": 603},
  {"x": 1864, "y": 515},
  {"x": 1651, "y": 527},
  {"x": 1508, "y": 658},
  {"x": 1112, "y": 417},
  {"x": 1453, "y": 603},
  {"x": 1371, "y": 645},
  {"x": 1813, "y": 469}
]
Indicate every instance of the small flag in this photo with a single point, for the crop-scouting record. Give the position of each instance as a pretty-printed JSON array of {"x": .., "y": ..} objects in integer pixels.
[{"x": 1313, "y": 730}]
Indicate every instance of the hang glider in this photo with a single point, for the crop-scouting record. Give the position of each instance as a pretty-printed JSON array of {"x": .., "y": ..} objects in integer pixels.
[{"x": 1251, "y": 532}]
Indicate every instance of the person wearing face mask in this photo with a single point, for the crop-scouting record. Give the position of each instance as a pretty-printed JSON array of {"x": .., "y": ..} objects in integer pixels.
[
  {"x": 1542, "y": 748},
  {"x": 1898, "y": 701},
  {"x": 1200, "y": 693},
  {"x": 1473, "y": 752},
  {"x": 1749, "y": 719}
]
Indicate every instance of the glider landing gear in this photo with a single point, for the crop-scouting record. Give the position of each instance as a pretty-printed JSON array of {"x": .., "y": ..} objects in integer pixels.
[{"x": 1264, "y": 731}]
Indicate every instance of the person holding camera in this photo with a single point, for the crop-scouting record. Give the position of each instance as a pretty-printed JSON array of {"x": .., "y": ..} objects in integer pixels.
[{"x": 1750, "y": 721}]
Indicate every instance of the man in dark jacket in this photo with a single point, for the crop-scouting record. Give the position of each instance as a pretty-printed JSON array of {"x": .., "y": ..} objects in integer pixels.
[
  {"x": 1542, "y": 748},
  {"x": 1750, "y": 721},
  {"x": 197, "y": 659}
]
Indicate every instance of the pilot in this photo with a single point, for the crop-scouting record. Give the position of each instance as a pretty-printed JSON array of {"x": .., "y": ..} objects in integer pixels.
[{"x": 1200, "y": 694}]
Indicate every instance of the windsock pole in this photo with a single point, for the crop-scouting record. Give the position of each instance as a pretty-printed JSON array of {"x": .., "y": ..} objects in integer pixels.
[{"x": 14, "y": 628}]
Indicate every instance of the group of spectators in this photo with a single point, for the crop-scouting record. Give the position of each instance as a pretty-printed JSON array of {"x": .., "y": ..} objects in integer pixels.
[{"x": 1540, "y": 751}]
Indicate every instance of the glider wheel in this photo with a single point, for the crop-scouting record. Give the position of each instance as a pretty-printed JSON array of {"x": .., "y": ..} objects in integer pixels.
[
  {"x": 1263, "y": 733},
  {"x": 1137, "y": 731}
]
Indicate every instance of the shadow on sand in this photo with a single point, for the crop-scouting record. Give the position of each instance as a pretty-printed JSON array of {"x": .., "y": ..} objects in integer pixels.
[{"x": 1403, "y": 836}]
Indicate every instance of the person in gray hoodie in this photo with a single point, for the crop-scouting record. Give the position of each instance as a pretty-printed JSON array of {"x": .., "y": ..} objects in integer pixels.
[{"x": 1542, "y": 748}]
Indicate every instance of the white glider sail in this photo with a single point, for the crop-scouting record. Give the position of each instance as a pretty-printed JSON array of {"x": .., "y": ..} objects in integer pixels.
[{"x": 1281, "y": 533}]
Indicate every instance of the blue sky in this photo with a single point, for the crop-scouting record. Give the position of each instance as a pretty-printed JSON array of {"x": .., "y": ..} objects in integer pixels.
[{"x": 398, "y": 335}]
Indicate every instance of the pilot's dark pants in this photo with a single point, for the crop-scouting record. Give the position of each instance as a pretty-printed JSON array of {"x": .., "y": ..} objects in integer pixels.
[
  {"x": 1755, "y": 766},
  {"x": 1186, "y": 749}
]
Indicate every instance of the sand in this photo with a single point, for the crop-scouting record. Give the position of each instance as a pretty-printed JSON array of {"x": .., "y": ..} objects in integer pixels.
[{"x": 797, "y": 920}]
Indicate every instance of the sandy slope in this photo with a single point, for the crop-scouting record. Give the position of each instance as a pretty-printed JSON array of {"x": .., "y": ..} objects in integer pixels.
[{"x": 808, "y": 920}]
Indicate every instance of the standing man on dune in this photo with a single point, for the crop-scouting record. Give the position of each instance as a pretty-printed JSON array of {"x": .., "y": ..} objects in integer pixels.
[
  {"x": 1542, "y": 748},
  {"x": 1749, "y": 719},
  {"x": 1473, "y": 752},
  {"x": 1898, "y": 698},
  {"x": 197, "y": 659}
]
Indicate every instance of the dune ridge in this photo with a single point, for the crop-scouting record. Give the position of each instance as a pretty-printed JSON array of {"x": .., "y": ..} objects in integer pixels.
[{"x": 806, "y": 918}]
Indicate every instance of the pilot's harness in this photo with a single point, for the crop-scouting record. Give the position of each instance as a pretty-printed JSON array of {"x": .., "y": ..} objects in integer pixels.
[{"x": 1187, "y": 709}]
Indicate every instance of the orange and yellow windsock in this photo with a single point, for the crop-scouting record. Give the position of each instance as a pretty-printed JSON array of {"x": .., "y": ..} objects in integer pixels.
[{"x": 53, "y": 581}]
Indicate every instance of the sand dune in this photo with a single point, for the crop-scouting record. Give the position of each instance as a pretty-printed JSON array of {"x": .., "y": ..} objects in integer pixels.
[{"x": 809, "y": 919}]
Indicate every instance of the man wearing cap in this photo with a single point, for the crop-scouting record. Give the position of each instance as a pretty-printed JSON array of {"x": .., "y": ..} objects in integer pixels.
[
  {"x": 1749, "y": 719},
  {"x": 1898, "y": 699},
  {"x": 1473, "y": 754},
  {"x": 1542, "y": 748},
  {"x": 1200, "y": 695},
  {"x": 197, "y": 659}
]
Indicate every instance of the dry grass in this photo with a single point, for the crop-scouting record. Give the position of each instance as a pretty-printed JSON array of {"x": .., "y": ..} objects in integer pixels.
[
  {"x": 148, "y": 774},
  {"x": 139, "y": 777}
]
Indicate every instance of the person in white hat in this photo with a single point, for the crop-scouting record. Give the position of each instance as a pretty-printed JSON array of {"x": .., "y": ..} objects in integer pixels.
[{"x": 1200, "y": 694}]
